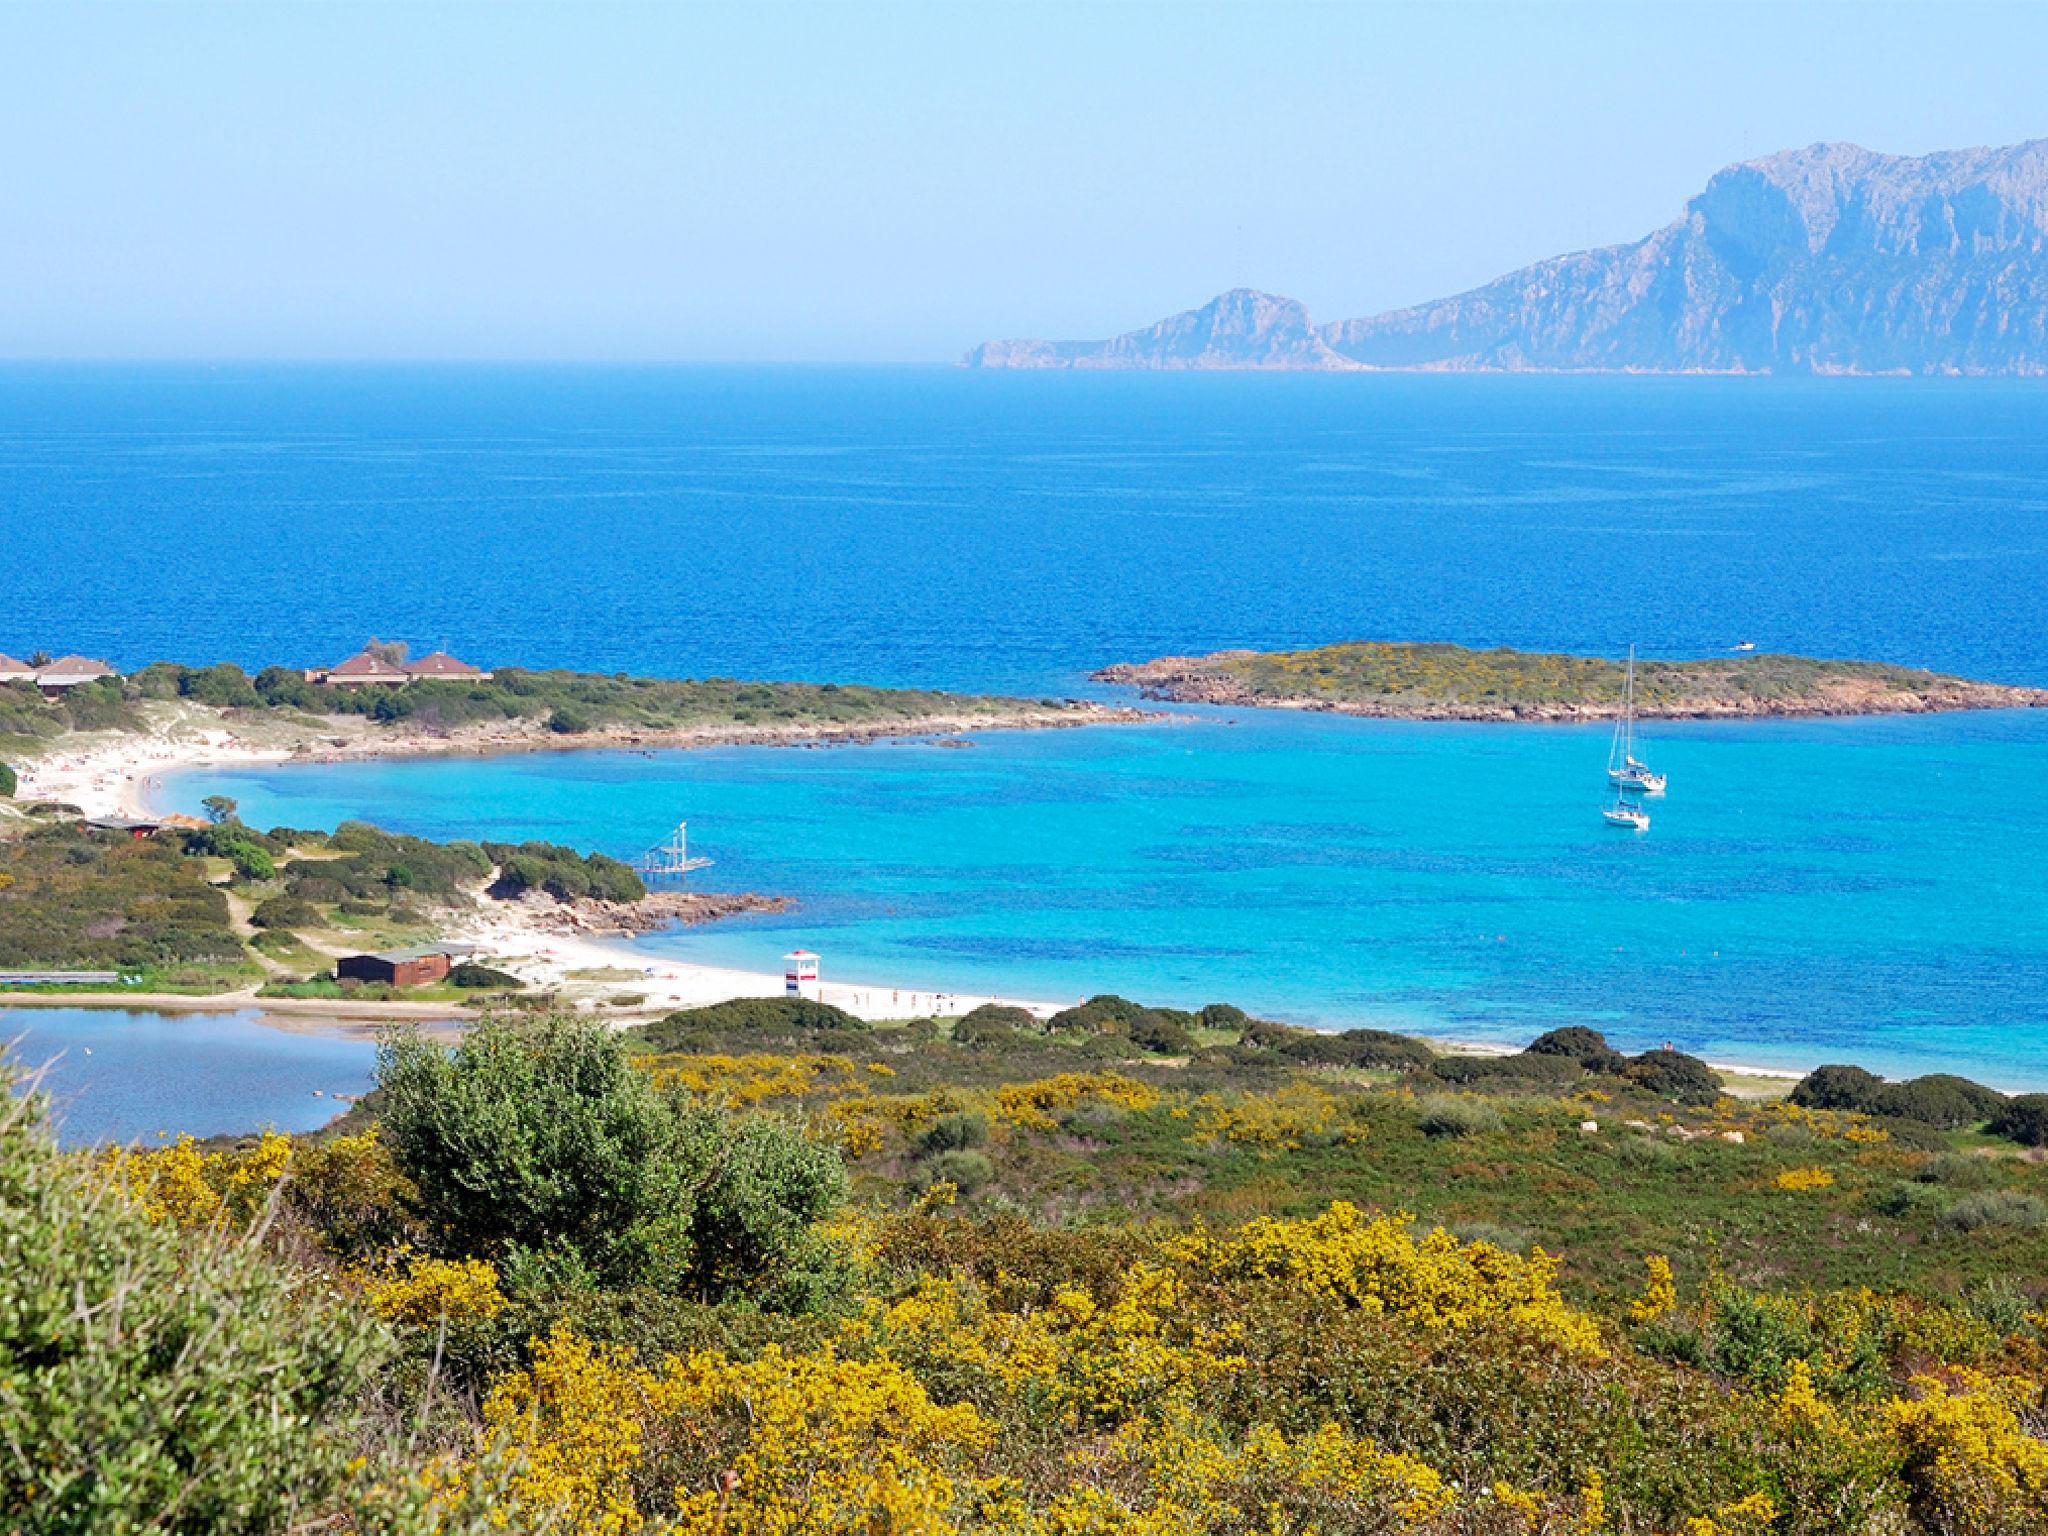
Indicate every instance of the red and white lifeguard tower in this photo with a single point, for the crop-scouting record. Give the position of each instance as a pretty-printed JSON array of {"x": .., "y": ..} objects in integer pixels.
[{"x": 800, "y": 974}]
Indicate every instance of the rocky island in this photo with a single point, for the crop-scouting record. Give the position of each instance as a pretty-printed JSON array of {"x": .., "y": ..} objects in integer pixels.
[
  {"x": 1453, "y": 682},
  {"x": 1829, "y": 259}
]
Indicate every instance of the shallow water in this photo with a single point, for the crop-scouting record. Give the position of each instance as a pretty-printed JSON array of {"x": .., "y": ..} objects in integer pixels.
[
  {"x": 116, "y": 1075},
  {"x": 1863, "y": 890}
]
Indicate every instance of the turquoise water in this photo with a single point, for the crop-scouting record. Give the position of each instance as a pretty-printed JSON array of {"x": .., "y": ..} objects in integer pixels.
[
  {"x": 115, "y": 1075},
  {"x": 1867, "y": 890}
]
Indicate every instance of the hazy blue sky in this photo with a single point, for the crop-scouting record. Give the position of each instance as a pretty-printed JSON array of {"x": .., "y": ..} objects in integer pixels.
[{"x": 887, "y": 182}]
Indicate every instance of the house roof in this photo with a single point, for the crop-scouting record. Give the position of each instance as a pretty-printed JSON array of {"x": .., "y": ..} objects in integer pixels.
[
  {"x": 441, "y": 664},
  {"x": 9, "y": 664},
  {"x": 365, "y": 664},
  {"x": 423, "y": 952},
  {"x": 75, "y": 666}
]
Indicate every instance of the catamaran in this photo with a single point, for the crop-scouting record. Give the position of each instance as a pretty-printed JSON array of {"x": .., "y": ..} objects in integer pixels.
[{"x": 1625, "y": 770}]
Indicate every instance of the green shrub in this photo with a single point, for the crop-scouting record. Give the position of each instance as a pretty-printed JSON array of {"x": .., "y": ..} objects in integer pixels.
[
  {"x": 564, "y": 721},
  {"x": 8, "y": 782},
  {"x": 1442, "y": 1115},
  {"x": 2024, "y": 1119},
  {"x": 1997, "y": 1208},
  {"x": 1648, "y": 1152},
  {"x": 470, "y": 974},
  {"x": 1588, "y": 1047},
  {"x": 1161, "y": 1034},
  {"x": 1363, "y": 1048},
  {"x": 994, "y": 1024},
  {"x": 538, "y": 1142},
  {"x": 1520, "y": 1071},
  {"x": 1675, "y": 1075},
  {"x": 1948, "y": 1103},
  {"x": 752, "y": 1015},
  {"x": 541, "y": 1137},
  {"x": 1837, "y": 1087},
  {"x": 1957, "y": 1170},
  {"x": 154, "y": 1379},
  {"x": 285, "y": 912},
  {"x": 967, "y": 1171},
  {"x": 959, "y": 1131}
]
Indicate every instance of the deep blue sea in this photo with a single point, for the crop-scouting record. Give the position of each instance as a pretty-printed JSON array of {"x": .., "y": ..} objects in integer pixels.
[{"x": 1863, "y": 890}]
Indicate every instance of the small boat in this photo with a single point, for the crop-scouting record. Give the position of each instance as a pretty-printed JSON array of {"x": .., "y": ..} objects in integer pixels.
[
  {"x": 1626, "y": 813},
  {"x": 1743, "y": 645},
  {"x": 1626, "y": 771}
]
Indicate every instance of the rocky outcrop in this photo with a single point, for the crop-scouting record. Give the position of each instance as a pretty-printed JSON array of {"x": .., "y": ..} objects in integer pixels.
[
  {"x": 1830, "y": 259},
  {"x": 654, "y": 911},
  {"x": 1242, "y": 329}
]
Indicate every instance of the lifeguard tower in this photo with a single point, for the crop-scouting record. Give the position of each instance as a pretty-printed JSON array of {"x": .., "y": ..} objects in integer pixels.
[{"x": 800, "y": 974}]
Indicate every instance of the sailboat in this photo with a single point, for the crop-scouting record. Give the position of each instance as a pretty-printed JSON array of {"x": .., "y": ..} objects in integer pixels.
[
  {"x": 1626, "y": 813},
  {"x": 1626, "y": 771}
]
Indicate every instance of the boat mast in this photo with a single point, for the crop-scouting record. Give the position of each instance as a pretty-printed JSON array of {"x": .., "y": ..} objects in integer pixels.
[{"x": 1628, "y": 711}]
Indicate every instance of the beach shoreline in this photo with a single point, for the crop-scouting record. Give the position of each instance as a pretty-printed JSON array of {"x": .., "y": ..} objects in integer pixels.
[{"x": 121, "y": 773}]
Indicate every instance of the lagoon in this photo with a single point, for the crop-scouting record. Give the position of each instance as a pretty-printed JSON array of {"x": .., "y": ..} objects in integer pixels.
[
  {"x": 120, "y": 1075},
  {"x": 1861, "y": 890}
]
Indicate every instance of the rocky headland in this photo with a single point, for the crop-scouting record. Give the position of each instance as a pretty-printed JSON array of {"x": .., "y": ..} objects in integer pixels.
[{"x": 1829, "y": 259}]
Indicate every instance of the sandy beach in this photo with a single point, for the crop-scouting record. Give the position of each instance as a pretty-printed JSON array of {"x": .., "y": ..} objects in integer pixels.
[{"x": 122, "y": 776}]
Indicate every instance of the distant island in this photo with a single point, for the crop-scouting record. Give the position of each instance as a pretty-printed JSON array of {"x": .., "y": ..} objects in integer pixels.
[
  {"x": 1830, "y": 259},
  {"x": 1453, "y": 682}
]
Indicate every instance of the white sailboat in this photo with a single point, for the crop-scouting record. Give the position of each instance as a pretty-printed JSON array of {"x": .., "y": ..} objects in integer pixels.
[
  {"x": 1626, "y": 813},
  {"x": 1626, "y": 771}
]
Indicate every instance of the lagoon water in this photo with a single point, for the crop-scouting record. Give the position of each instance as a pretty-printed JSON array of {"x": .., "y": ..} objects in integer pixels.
[
  {"x": 122, "y": 1075},
  {"x": 1868, "y": 890}
]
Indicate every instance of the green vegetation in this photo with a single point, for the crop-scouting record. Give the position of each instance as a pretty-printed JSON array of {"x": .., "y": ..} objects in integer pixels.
[
  {"x": 85, "y": 901},
  {"x": 562, "y": 872},
  {"x": 145, "y": 1370},
  {"x": 565, "y": 702},
  {"x": 157, "y": 909},
  {"x": 812, "y": 1278},
  {"x": 1427, "y": 678},
  {"x": 8, "y": 782},
  {"x": 543, "y": 1147}
]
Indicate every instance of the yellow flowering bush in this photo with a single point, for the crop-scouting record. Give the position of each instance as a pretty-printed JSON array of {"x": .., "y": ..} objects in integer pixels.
[
  {"x": 1969, "y": 1462},
  {"x": 777, "y": 1445},
  {"x": 1436, "y": 1282},
  {"x": 1184, "y": 1476},
  {"x": 1801, "y": 1179},
  {"x": 1079, "y": 1360},
  {"x": 423, "y": 1292},
  {"x": 1032, "y": 1106},
  {"x": 1660, "y": 1291},
  {"x": 184, "y": 1186},
  {"x": 742, "y": 1082},
  {"x": 1281, "y": 1121}
]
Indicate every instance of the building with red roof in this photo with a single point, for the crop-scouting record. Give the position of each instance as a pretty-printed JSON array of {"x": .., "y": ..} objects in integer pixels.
[{"x": 441, "y": 665}]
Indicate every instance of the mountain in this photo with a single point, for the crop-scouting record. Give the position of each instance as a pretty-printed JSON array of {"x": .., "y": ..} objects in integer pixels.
[
  {"x": 1240, "y": 329},
  {"x": 1831, "y": 259}
]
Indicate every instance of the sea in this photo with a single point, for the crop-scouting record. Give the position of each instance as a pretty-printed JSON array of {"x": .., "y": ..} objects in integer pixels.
[{"x": 1867, "y": 890}]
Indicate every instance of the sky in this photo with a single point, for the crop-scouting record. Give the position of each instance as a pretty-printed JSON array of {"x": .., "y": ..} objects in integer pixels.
[{"x": 869, "y": 182}]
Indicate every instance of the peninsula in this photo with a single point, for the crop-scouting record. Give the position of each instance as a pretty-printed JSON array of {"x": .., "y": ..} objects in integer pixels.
[
  {"x": 84, "y": 735},
  {"x": 1403, "y": 681},
  {"x": 1828, "y": 259}
]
